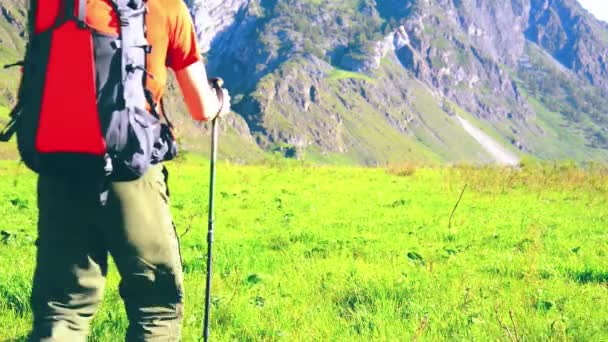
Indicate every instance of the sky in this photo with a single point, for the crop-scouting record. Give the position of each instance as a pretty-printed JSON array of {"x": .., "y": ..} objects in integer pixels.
[{"x": 598, "y": 7}]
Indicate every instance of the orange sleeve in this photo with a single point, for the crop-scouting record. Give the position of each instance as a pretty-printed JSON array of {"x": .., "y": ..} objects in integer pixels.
[{"x": 183, "y": 47}]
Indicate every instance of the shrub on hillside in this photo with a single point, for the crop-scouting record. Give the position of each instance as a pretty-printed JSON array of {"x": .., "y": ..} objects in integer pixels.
[{"x": 402, "y": 169}]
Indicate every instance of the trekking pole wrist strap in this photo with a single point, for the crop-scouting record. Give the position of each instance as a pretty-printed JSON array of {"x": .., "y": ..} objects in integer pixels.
[{"x": 216, "y": 84}]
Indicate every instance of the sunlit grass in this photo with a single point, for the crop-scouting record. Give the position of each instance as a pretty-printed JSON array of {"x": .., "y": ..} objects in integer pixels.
[{"x": 337, "y": 253}]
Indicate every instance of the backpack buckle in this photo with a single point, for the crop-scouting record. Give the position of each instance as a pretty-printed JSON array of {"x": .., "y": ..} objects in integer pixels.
[
  {"x": 82, "y": 25},
  {"x": 131, "y": 68},
  {"x": 7, "y": 133},
  {"x": 124, "y": 21}
]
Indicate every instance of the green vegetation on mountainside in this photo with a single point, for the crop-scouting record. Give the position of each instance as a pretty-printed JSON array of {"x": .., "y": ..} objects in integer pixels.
[
  {"x": 570, "y": 108},
  {"x": 563, "y": 137},
  {"x": 11, "y": 46},
  {"x": 339, "y": 74},
  {"x": 441, "y": 45},
  {"x": 443, "y": 133},
  {"x": 342, "y": 254},
  {"x": 8, "y": 151},
  {"x": 352, "y": 29},
  {"x": 231, "y": 145},
  {"x": 361, "y": 118},
  {"x": 567, "y": 117}
]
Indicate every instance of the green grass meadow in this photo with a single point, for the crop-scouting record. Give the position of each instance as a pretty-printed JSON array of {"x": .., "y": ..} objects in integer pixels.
[{"x": 311, "y": 253}]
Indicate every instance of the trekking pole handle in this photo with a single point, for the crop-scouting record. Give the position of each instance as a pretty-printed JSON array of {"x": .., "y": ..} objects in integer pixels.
[{"x": 217, "y": 84}]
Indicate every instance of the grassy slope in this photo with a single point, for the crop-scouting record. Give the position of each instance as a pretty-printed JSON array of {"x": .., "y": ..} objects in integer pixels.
[
  {"x": 358, "y": 254},
  {"x": 231, "y": 146},
  {"x": 7, "y": 150},
  {"x": 434, "y": 129},
  {"x": 372, "y": 137},
  {"x": 196, "y": 138},
  {"x": 442, "y": 133},
  {"x": 367, "y": 135},
  {"x": 561, "y": 138},
  {"x": 11, "y": 48}
]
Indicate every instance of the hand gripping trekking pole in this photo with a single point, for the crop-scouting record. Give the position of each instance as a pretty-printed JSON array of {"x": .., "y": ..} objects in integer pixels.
[{"x": 217, "y": 84}]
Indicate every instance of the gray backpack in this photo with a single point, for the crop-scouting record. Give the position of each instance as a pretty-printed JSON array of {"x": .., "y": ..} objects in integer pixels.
[{"x": 83, "y": 109}]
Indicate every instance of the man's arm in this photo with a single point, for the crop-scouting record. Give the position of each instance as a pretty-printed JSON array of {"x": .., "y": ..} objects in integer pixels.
[{"x": 200, "y": 99}]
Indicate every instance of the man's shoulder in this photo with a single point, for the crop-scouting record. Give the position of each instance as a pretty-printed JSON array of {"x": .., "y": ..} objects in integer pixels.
[{"x": 167, "y": 7}]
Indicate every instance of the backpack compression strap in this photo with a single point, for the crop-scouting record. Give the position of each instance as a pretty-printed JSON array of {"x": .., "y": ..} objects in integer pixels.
[
  {"x": 51, "y": 14},
  {"x": 135, "y": 47}
]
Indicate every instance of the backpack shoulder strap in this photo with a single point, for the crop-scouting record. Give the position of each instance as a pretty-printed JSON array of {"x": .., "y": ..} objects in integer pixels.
[
  {"x": 82, "y": 12},
  {"x": 131, "y": 4},
  {"x": 73, "y": 10},
  {"x": 134, "y": 50}
]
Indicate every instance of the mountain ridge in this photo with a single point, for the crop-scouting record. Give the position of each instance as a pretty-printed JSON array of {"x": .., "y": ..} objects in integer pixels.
[{"x": 373, "y": 82}]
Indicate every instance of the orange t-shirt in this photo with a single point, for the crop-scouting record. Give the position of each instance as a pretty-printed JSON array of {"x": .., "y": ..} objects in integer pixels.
[{"x": 170, "y": 31}]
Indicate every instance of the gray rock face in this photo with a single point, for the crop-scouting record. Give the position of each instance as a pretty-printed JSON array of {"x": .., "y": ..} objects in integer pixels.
[
  {"x": 214, "y": 16},
  {"x": 495, "y": 27},
  {"x": 226, "y": 30},
  {"x": 460, "y": 50},
  {"x": 568, "y": 33}
]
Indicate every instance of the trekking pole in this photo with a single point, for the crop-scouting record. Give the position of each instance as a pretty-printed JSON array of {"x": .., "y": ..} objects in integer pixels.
[{"x": 217, "y": 84}]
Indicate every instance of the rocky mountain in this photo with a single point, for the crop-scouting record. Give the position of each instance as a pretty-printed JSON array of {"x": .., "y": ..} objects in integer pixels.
[
  {"x": 376, "y": 81},
  {"x": 12, "y": 33},
  {"x": 371, "y": 82}
]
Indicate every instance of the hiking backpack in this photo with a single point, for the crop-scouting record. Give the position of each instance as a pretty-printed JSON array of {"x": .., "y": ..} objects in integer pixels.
[{"x": 83, "y": 109}]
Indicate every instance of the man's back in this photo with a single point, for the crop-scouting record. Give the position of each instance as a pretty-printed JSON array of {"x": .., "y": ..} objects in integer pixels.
[
  {"x": 76, "y": 233},
  {"x": 169, "y": 31}
]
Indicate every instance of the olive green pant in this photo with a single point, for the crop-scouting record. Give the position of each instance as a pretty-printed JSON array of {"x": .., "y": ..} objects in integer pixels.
[{"x": 76, "y": 234}]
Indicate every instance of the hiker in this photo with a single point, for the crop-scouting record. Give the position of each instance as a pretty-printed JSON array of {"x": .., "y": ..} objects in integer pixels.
[{"x": 78, "y": 228}]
